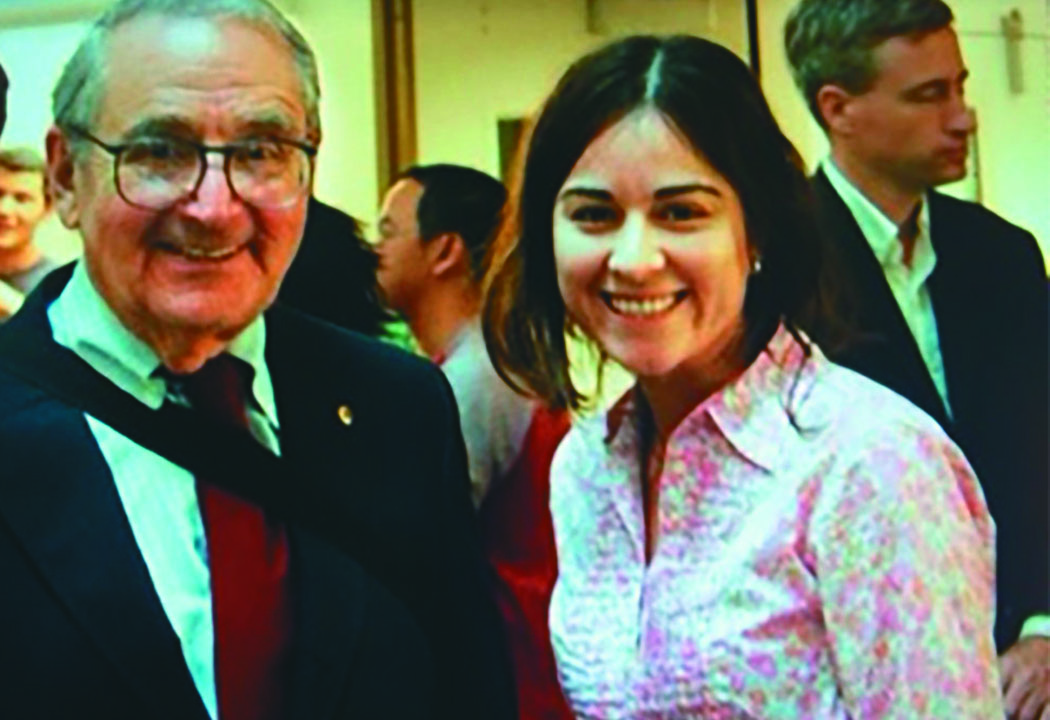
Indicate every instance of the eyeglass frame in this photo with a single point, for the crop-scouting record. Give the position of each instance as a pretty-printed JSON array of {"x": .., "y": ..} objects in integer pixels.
[{"x": 116, "y": 150}]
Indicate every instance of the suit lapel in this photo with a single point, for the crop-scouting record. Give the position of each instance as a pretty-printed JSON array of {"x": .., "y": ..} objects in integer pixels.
[
  {"x": 65, "y": 511},
  {"x": 69, "y": 519},
  {"x": 72, "y": 524},
  {"x": 885, "y": 350},
  {"x": 957, "y": 315}
]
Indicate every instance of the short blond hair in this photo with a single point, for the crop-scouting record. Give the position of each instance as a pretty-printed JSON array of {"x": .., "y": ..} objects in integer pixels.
[{"x": 21, "y": 159}]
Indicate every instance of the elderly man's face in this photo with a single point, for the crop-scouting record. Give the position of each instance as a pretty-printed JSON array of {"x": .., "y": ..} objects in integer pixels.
[{"x": 209, "y": 263}]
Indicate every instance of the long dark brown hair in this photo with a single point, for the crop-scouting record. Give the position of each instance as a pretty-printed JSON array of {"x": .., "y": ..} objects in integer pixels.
[{"x": 711, "y": 97}]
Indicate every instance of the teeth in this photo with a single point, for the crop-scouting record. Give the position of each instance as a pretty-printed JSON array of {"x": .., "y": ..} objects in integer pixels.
[
  {"x": 646, "y": 306},
  {"x": 209, "y": 254}
]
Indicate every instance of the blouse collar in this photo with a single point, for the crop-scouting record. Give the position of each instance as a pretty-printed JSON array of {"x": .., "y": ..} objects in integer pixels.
[{"x": 754, "y": 412}]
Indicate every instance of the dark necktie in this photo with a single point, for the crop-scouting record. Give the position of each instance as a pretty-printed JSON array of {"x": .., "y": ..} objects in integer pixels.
[
  {"x": 248, "y": 558},
  {"x": 908, "y": 233}
]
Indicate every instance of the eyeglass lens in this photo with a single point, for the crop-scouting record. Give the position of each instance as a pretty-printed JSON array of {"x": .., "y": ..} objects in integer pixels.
[{"x": 157, "y": 172}]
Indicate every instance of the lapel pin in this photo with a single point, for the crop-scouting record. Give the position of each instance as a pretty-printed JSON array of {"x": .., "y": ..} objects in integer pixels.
[{"x": 345, "y": 414}]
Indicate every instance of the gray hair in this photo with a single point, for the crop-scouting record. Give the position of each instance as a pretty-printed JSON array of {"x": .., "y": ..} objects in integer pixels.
[
  {"x": 76, "y": 97},
  {"x": 831, "y": 42}
]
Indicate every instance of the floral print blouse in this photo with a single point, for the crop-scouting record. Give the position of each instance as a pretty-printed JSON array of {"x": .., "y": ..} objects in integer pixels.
[{"x": 838, "y": 567}]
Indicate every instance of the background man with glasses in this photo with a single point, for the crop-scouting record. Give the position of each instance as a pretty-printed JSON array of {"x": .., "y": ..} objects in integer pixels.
[{"x": 211, "y": 508}]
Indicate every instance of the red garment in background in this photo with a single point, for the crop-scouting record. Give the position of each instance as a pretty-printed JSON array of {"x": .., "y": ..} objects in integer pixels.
[{"x": 519, "y": 539}]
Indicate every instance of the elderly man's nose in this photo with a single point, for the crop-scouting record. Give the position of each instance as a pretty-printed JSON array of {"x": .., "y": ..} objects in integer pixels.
[{"x": 214, "y": 192}]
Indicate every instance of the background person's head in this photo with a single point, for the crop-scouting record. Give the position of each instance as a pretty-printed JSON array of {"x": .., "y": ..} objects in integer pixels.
[
  {"x": 884, "y": 78},
  {"x": 23, "y": 198},
  {"x": 702, "y": 119},
  {"x": 435, "y": 228},
  {"x": 182, "y": 250}
]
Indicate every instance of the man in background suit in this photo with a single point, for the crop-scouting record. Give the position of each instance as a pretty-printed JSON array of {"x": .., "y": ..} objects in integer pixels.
[
  {"x": 950, "y": 299},
  {"x": 210, "y": 508}
]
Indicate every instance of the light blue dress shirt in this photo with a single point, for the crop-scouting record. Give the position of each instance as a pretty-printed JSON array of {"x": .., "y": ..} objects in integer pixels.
[
  {"x": 159, "y": 497},
  {"x": 907, "y": 282}
]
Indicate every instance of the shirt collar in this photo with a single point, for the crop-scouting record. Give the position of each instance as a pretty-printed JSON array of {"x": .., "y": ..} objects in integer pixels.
[
  {"x": 880, "y": 231},
  {"x": 877, "y": 228},
  {"x": 82, "y": 322},
  {"x": 460, "y": 338},
  {"x": 752, "y": 412}
]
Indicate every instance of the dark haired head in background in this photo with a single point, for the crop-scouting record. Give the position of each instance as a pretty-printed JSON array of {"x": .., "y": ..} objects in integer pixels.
[
  {"x": 459, "y": 200},
  {"x": 435, "y": 229},
  {"x": 333, "y": 276}
]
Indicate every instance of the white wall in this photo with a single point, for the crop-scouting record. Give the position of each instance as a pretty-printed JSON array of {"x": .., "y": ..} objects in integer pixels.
[
  {"x": 33, "y": 57},
  {"x": 1013, "y": 135},
  {"x": 340, "y": 32},
  {"x": 481, "y": 60}
]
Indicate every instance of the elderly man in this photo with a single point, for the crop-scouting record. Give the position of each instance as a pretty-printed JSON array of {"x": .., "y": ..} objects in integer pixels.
[
  {"x": 951, "y": 298},
  {"x": 197, "y": 491}
]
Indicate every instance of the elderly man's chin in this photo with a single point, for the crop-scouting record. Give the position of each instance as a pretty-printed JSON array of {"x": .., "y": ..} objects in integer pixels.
[
  {"x": 221, "y": 313},
  {"x": 207, "y": 291},
  {"x": 172, "y": 298}
]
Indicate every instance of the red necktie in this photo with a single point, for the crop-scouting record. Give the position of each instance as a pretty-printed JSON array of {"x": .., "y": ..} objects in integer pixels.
[{"x": 248, "y": 558}]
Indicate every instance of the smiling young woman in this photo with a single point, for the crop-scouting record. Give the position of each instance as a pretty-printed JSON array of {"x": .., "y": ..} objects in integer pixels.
[{"x": 752, "y": 530}]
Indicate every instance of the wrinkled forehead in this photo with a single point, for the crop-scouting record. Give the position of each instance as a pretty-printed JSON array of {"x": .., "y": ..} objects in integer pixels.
[{"x": 201, "y": 76}]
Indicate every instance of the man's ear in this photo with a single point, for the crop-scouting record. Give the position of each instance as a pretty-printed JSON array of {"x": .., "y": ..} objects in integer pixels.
[
  {"x": 833, "y": 104},
  {"x": 448, "y": 253},
  {"x": 60, "y": 181}
]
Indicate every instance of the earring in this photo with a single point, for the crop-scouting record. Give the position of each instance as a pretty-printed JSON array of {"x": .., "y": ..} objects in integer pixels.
[{"x": 756, "y": 266}]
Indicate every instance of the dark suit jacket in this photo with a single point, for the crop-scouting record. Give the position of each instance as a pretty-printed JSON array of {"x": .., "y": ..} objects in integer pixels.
[
  {"x": 989, "y": 297},
  {"x": 84, "y": 634}
]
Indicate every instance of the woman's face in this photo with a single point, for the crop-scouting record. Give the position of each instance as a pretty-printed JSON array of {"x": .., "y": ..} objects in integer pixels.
[{"x": 650, "y": 249}]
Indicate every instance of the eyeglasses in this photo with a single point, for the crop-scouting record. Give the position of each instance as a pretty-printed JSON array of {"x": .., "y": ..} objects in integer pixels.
[{"x": 157, "y": 172}]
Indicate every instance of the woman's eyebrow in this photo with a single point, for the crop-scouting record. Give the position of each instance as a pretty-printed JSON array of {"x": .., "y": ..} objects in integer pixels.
[
  {"x": 592, "y": 193},
  {"x": 675, "y": 190}
]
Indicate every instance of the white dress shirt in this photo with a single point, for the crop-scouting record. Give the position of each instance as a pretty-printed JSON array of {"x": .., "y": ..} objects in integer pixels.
[
  {"x": 159, "y": 497},
  {"x": 907, "y": 283}
]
